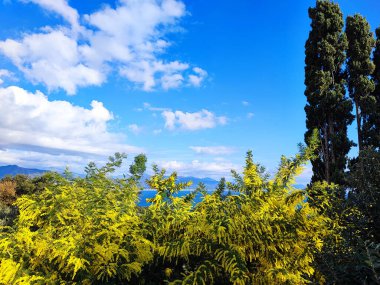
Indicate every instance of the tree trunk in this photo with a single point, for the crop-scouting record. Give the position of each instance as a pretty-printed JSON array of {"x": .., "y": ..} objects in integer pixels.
[
  {"x": 358, "y": 122},
  {"x": 331, "y": 132}
]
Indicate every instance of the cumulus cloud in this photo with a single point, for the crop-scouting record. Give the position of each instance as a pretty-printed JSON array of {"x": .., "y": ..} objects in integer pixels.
[
  {"x": 60, "y": 7},
  {"x": 128, "y": 39},
  {"x": 51, "y": 58},
  {"x": 203, "y": 119},
  {"x": 199, "y": 168},
  {"x": 30, "y": 122},
  {"x": 145, "y": 73},
  {"x": 197, "y": 78},
  {"x": 213, "y": 150}
]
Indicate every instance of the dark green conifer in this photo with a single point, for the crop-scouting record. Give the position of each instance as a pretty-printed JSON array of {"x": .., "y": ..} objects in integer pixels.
[
  {"x": 359, "y": 69},
  {"x": 327, "y": 108},
  {"x": 373, "y": 134}
]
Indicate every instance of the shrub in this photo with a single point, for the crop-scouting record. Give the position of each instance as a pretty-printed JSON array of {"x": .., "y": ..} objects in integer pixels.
[
  {"x": 83, "y": 231},
  {"x": 7, "y": 192},
  {"x": 90, "y": 230}
]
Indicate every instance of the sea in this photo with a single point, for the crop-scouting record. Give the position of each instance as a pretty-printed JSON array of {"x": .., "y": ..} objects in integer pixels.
[{"x": 146, "y": 194}]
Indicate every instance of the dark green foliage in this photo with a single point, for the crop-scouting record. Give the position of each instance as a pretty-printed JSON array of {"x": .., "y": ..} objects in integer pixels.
[
  {"x": 138, "y": 167},
  {"x": 338, "y": 260},
  {"x": 7, "y": 214},
  {"x": 363, "y": 267},
  {"x": 30, "y": 185},
  {"x": 113, "y": 162},
  {"x": 41, "y": 182},
  {"x": 221, "y": 187},
  {"x": 373, "y": 134},
  {"x": 351, "y": 264},
  {"x": 354, "y": 257},
  {"x": 359, "y": 69},
  {"x": 371, "y": 265},
  {"x": 364, "y": 180},
  {"x": 26, "y": 185},
  {"x": 327, "y": 109}
]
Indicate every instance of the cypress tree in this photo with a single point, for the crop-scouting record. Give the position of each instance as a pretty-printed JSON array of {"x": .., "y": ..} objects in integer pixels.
[
  {"x": 327, "y": 108},
  {"x": 374, "y": 120},
  {"x": 359, "y": 68}
]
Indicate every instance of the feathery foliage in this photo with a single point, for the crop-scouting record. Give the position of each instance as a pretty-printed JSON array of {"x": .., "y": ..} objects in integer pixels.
[
  {"x": 90, "y": 231},
  {"x": 82, "y": 231},
  {"x": 268, "y": 233}
]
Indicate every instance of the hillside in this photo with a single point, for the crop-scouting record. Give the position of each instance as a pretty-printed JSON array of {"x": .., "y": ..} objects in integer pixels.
[{"x": 14, "y": 170}]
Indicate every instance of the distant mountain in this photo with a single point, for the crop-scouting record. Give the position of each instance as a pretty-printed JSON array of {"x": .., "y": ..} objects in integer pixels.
[
  {"x": 14, "y": 170},
  {"x": 208, "y": 182}
]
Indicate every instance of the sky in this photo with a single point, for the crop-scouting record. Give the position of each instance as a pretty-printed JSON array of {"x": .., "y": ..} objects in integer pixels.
[{"x": 193, "y": 84}]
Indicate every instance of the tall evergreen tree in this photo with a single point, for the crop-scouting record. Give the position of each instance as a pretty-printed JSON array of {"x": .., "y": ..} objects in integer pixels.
[
  {"x": 374, "y": 131},
  {"x": 359, "y": 69},
  {"x": 327, "y": 108}
]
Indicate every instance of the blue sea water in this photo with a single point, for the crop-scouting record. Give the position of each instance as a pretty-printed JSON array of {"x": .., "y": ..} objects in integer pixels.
[{"x": 146, "y": 194}]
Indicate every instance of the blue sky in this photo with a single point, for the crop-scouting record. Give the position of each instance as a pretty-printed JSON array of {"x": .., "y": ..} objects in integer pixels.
[{"x": 193, "y": 84}]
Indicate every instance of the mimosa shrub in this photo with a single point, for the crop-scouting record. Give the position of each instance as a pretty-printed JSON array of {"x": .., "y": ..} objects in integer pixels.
[
  {"x": 81, "y": 231},
  {"x": 91, "y": 231}
]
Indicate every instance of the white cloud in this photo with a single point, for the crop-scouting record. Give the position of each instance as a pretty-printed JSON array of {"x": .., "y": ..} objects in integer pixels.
[
  {"x": 128, "y": 39},
  {"x": 213, "y": 150},
  {"x": 135, "y": 128},
  {"x": 31, "y": 122},
  {"x": 145, "y": 74},
  {"x": 149, "y": 107},
  {"x": 250, "y": 115},
  {"x": 170, "y": 119},
  {"x": 61, "y": 7},
  {"x": 53, "y": 59},
  {"x": 200, "y": 169},
  {"x": 203, "y": 119},
  {"x": 197, "y": 78},
  {"x": 35, "y": 159},
  {"x": 4, "y": 73},
  {"x": 171, "y": 81}
]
